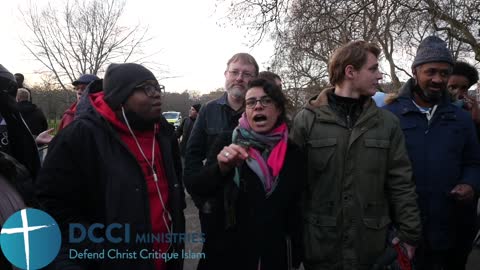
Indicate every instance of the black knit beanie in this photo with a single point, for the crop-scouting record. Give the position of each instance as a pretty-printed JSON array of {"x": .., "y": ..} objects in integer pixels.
[
  {"x": 432, "y": 49},
  {"x": 197, "y": 107},
  {"x": 121, "y": 79}
]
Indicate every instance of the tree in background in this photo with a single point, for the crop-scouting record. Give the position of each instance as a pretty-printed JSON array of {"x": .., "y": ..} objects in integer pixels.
[
  {"x": 458, "y": 20},
  {"x": 305, "y": 32},
  {"x": 80, "y": 36}
]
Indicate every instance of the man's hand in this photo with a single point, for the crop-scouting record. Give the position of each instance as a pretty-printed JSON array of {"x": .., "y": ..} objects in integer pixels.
[
  {"x": 410, "y": 249},
  {"x": 471, "y": 105},
  {"x": 45, "y": 137},
  {"x": 462, "y": 192}
]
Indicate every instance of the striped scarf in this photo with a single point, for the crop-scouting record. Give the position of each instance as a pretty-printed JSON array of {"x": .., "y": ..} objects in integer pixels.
[{"x": 266, "y": 152}]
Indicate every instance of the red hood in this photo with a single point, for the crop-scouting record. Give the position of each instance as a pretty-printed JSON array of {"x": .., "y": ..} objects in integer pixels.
[
  {"x": 104, "y": 109},
  {"x": 72, "y": 109}
]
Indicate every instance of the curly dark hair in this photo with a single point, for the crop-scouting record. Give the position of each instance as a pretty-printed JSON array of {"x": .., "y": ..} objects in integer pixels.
[
  {"x": 466, "y": 70},
  {"x": 275, "y": 93}
]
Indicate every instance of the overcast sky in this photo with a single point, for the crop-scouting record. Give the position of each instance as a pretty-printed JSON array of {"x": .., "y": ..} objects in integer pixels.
[{"x": 192, "y": 44}]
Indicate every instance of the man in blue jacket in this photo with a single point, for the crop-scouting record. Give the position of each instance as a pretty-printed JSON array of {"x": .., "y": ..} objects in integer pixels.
[{"x": 445, "y": 154}]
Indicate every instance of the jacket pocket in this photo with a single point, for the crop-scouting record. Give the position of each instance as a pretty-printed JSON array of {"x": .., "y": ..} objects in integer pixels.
[
  {"x": 374, "y": 239},
  {"x": 377, "y": 152},
  {"x": 320, "y": 151},
  {"x": 376, "y": 143},
  {"x": 319, "y": 238}
]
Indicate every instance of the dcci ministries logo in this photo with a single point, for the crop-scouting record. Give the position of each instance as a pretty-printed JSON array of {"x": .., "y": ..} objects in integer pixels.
[{"x": 30, "y": 239}]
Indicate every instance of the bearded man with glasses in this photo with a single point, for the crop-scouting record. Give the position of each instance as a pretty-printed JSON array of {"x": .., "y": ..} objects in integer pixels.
[
  {"x": 216, "y": 117},
  {"x": 118, "y": 162}
]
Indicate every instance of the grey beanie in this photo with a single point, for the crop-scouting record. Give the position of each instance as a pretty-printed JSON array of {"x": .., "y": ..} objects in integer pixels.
[
  {"x": 121, "y": 79},
  {"x": 432, "y": 49}
]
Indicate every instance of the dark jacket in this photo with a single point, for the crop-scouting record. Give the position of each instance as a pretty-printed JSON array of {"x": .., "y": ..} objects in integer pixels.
[
  {"x": 90, "y": 176},
  {"x": 262, "y": 226},
  {"x": 214, "y": 118},
  {"x": 359, "y": 182},
  {"x": 33, "y": 116},
  {"x": 22, "y": 145},
  {"x": 184, "y": 131},
  {"x": 444, "y": 152}
]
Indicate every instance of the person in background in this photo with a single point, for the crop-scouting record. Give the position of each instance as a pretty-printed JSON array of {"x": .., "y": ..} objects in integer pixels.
[
  {"x": 186, "y": 126},
  {"x": 216, "y": 117},
  {"x": 20, "y": 80},
  {"x": 462, "y": 78},
  {"x": 379, "y": 98},
  {"x": 273, "y": 77},
  {"x": 33, "y": 116},
  {"x": 15, "y": 137},
  {"x": 444, "y": 150},
  {"x": 359, "y": 175},
  {"x": 79, "y": 86},
  {"x": 19, "y": 157}
]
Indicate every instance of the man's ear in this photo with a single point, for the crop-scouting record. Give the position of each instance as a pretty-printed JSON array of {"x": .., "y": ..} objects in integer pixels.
[
  {"x": 414, "y": 73},
  {"x": 349, "y": 72}
]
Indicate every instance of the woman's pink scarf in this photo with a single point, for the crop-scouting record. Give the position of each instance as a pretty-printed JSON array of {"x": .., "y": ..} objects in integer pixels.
[{"x": 273, "y": 144}]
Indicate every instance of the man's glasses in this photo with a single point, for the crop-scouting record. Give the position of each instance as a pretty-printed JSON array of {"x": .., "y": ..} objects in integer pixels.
[
  {"x": 264, "y": 101},
  {"x": 244, "y": 75},
  {"x": 151, "y": 89}
]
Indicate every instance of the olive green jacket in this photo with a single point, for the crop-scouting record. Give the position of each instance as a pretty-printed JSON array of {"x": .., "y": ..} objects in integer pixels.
[{"x": 359, "y": 181}]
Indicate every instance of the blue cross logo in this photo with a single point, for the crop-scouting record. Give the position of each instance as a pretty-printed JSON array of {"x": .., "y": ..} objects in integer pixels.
[{"x": 30, "y": 239}]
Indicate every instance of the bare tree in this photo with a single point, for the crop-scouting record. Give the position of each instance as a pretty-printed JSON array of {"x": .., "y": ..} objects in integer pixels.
[
  {"x": 307, "y": 31},
  {"x": 456, "y": 21},
  {"x": 80, "y": 36}
]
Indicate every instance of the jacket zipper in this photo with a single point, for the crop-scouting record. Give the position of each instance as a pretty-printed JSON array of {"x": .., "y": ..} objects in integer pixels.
[{"x": 289, "y": 252}]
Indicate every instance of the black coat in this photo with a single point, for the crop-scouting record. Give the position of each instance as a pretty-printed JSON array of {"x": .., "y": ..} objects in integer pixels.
[
  {"x": 90, "y": 176},
  {"x": 262, "y": 224},
  {"x": 21, "y": 142},
  {"x": 33, "y": 116},
  {"x": 184, "y": 131}
]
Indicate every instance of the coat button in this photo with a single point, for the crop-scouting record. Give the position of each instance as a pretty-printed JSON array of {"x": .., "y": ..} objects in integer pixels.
[
  {"x": 176, "y": 185},
  {"x": 137, "y": 189}
]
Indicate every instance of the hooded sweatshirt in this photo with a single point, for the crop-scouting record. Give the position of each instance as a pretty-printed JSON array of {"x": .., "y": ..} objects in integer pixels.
[{"x": 158, "y": 214}]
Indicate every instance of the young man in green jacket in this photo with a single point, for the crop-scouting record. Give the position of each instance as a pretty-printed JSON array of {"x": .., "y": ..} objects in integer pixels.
[{"x": 359, "y": 174}]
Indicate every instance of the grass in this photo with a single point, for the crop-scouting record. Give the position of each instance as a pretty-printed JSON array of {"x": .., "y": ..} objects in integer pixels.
[{"x": 53, "y": 123}]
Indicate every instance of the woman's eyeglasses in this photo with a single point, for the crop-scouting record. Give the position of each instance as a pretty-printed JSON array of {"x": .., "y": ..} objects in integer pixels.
[{"x": 264, "y": 101}]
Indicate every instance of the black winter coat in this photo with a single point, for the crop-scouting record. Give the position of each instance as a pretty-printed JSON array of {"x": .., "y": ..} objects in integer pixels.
[
  {"x": 90, "y": 176},
  {"x": 262, "y": 225},
  {"x": 21, "y": 142},
  {"x": 184, "y": 131},
  {"x": 33, "y": 116}
]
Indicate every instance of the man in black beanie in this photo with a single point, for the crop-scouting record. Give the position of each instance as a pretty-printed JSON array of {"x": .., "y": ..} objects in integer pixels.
[
  {"x": 117, "y": 163},
  {"x": 442, "y": 145}
]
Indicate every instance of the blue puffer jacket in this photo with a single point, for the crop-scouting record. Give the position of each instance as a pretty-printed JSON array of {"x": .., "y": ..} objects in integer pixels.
[{"x": 444, "y": 152}]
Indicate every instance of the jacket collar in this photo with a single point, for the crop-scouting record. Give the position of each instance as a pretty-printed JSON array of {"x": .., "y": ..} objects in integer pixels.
[
  {"x": 405, "y": 98},
  {"x": 223, "y": 100},
  {"x": 319, "y": 105}
]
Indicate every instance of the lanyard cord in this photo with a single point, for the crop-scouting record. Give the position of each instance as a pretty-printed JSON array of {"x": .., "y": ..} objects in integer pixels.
[{"x": 155, "y": 178}]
